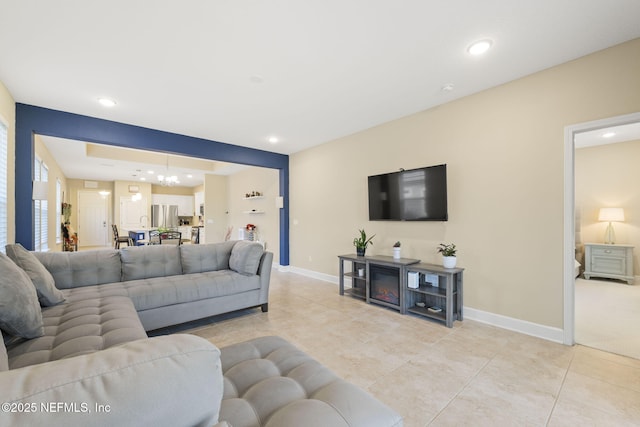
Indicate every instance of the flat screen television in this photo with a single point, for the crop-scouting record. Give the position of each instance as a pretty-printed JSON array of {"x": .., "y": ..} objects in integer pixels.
[{"x": 409, "y": 195}]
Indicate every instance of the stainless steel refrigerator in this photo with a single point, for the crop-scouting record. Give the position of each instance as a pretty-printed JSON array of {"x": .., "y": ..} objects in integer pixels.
[{"x": 164, "y": 216}]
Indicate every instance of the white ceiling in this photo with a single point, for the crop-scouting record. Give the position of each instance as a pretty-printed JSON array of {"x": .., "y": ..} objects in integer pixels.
[
  {"x": 307, "y": 72},
  {"x": 611, "y": 135}
]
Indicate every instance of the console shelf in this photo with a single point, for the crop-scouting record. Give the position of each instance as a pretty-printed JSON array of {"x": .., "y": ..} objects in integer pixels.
[{"x": 447, "y": 295}]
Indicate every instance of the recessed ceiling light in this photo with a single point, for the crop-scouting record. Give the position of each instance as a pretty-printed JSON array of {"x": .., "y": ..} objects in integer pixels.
[
  {"x": 273, "y": 139},
  {"x": 189, "y": 176},
  {"x": 609, "y": 135},
  {"x": 106, "y": 102},
  {"x": 142, "y": 178},
  {"x": 479, "y": 47},
  {"x": 150, "y": 172}
]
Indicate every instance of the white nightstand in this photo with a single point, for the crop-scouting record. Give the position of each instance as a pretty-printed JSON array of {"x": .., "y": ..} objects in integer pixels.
[{"x": 609, "y": 261}]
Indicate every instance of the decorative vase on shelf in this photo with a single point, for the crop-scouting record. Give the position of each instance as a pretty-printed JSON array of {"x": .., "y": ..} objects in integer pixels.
[
  {"x": 396, "y": 253},
  {"x": 360, "y": 251},
  {"x": 449, "y": 261}
]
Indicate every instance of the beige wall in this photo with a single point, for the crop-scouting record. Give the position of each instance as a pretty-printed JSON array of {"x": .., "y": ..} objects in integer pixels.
[
  {"x": 216, "y": 216},
  {"x": 504, "y": 149},
  {"x": 608, "y": 176},
  {"x": 268, "y": 224},
  {"x": 8, "y": 117}
]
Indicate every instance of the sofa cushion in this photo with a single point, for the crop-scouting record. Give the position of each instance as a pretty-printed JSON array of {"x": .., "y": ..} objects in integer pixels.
[
  {"x": 20, "y": 313},
  {"x": 76, "y": 328},
  {"x": 145, "y": 262},
  {"x": 48, "y": 294},
  {"x": 97, "y": 291},
  {"x": 207, "y": 257},
  {"x": 269, "y": 382},
  {"x": 148, "y": 294},
  {"x": 4, "y": 359},
  {"x": 73, "y": 269},
  {"x": 245, "y": 257}
]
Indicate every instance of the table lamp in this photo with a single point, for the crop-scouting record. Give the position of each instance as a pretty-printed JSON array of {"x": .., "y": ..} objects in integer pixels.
[{"x": 610, "y": 215}]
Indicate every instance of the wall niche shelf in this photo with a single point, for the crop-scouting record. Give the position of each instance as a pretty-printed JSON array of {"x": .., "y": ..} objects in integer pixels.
[{"x": 253, "y": 197}]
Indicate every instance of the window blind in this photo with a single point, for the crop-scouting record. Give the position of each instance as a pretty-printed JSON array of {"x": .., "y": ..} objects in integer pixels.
[{"x": 4, "y": 204}]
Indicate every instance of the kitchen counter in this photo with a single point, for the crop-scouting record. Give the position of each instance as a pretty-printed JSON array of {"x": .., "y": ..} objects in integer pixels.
[{"x": 140, "y": 236}]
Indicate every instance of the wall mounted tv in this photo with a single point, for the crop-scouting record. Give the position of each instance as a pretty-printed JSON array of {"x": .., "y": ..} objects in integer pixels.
[{"x": 409, "y": 195}]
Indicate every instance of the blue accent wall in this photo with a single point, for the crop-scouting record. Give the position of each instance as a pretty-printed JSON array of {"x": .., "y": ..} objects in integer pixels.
[{"x": 31, "y": 120}]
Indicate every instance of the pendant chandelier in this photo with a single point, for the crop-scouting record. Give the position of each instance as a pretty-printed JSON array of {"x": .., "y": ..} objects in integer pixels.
[{"x": 168, "y": 180}]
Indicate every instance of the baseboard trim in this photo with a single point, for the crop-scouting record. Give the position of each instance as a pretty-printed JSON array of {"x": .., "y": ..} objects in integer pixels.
[
  {"x": 314, "y": 275},
  {"x": 282, "y": 268},
  {"x": 522, "y": 326}
]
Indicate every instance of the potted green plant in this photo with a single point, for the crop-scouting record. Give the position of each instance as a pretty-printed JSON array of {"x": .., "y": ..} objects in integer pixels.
[
  {"x": 448, "y": 254},
  {"x": 362, "y": 242},
  {"x": 396, "y": 250}
]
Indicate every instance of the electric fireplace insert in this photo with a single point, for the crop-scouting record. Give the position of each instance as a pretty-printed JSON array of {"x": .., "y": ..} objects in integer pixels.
[{"x": 384, "y": 284}]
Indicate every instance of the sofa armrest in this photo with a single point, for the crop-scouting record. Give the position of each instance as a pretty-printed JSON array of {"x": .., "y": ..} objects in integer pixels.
[
  {"x": 173, "y": 380},
  {"x": 264, "y": 271}
]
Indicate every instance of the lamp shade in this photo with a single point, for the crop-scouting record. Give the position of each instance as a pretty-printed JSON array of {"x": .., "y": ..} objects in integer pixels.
[{"x": 611, "y": 214}]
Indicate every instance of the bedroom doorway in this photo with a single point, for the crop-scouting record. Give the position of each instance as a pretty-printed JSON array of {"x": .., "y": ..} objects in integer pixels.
[{"x": 601, "y": 313}]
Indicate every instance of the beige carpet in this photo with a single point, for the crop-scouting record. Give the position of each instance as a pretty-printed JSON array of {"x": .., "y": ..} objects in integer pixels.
[{"x": 608, "y": 316}]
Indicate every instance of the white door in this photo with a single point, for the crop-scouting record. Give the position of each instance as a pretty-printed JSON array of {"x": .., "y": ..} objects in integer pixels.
[
  {"x": 93, "y": 218},
  {"x": 131, "y": 213}
]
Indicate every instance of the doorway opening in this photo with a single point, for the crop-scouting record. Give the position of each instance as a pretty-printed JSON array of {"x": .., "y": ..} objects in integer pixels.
[{"x": 575, "y": 218}]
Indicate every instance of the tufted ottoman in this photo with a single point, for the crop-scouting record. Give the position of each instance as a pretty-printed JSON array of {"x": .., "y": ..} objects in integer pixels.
[{"x": 269, "y": 382}]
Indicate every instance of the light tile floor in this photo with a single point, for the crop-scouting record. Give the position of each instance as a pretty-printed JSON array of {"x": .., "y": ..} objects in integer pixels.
[{"x": 470, "y": 375}]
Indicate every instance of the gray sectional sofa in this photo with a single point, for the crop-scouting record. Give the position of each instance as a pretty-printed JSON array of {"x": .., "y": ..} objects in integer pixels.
[{"x": 75, "y": 349}]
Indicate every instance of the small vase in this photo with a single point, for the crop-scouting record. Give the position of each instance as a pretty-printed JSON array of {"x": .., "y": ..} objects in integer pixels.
[
  {"x": 396, "y": 253},
  {"x": 449, "y": 261},
  {"x": 360, "y": 251}
]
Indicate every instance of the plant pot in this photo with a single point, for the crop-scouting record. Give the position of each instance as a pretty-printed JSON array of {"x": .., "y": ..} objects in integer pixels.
[
  {"x": 360, "y": 251},
  {"x": 449, "y": 261},
  {"x": 396, "y": 253}
]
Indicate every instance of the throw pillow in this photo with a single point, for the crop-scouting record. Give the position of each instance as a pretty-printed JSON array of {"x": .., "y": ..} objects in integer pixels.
[
  {"x": 45, "y": 285},
  {"x": 20, "y": 312},
  {"x": 4, "y": 358},
  {"x": 245, "y": 257}
]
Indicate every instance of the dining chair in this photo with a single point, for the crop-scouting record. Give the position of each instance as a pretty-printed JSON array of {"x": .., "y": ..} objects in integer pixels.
[
  {"x": 117, "y": 239},
  {"x": 171, "y": 238}
]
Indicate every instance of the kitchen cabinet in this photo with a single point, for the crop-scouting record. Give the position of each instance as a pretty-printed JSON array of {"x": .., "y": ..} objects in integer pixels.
[
  {"x": 184, "y": 203},
  {"x": 185, "y": 232}
]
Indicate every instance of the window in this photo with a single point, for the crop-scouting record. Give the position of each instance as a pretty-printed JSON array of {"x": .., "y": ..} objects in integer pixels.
[
  {"x": 58, "y": 211},
  {"x": 4, "y": 205},
  {"x": 41, "y": 207}
]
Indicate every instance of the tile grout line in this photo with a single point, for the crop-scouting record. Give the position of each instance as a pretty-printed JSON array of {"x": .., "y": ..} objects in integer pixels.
[
  {"x": 564, "y": 379},
  {"x": 462, "y": 389}
]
